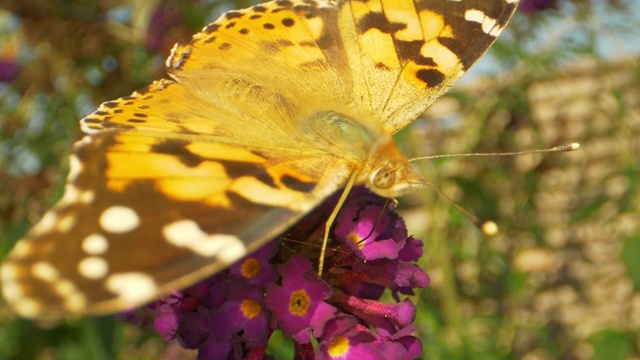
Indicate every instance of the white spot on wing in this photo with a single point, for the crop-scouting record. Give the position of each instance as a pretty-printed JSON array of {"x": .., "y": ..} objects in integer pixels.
[
  {"x": 187, "y": 234},
  {"x": 182, "y": 233},
  {"x": 75, "y": 302},
  {"x": 95, "y": 244},
  {"x": 71, "y": 194},
  {"x": 225, "y": 247},
  {"x": 132, "y": 288},
  {"x": 75, "y": 167},
  {"x": 64, "y": 288},
  {"x": 169, "y": 62},
  {"x": 86, "y": 140},
  {"x": 86, "y": 197},
  {"x": 119, "y": 219},
  {"x": 489, "y": 24},
  {"x": 23, "y": 248},
  {"x": 12, "y": 292},
  {"x": 27, "y": 307},
  {"x": 46, "y": 224},
  {"x": 65, "y": 223},
  {"x": 45, "y": 271},
  {"x": 496, "y": 31},
  {"x": 93, "y": 267},
  {"x": 234, "y": 249},
  {"x": 10, "y": 289},
  {"x": 8, "y": 273}
]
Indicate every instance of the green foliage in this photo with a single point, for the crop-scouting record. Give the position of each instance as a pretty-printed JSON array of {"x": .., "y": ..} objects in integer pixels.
[
  {"x": 612, "y": 345},
  {"x": 631, "y": 258},
  {"x": 97, "y": 338}
]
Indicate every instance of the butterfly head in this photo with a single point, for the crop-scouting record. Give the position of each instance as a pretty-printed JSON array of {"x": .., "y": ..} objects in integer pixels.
[{"x": 390, "y": 174}]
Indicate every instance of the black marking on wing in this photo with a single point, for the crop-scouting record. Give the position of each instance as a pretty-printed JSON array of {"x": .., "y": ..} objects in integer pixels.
[{"x": 178, "y": 148}]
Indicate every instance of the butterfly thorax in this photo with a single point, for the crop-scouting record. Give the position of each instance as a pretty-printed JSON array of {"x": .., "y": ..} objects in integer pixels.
[{"x": 370, "y": 152}]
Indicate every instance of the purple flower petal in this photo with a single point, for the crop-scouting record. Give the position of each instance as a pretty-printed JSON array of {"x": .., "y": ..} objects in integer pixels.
[
  {"x": 195, "y": 329},
  {"x": 400, "y": 315},
  {"x": 412, "y": 250},
  {"x": 170, "y": 309},
  {"x": 413, "y": 345},
  {"x": 243, "y": 314},
  {"x": 371, "y": 231},
  {"x": 166, "y": 321},
  {"x": 344, "y": 338},
  {"x": 297, "y": 305},
  {"x": 255, "y": 269},
  {"x": 214, "y": 349},
  {"x": 9, "y": 70}
]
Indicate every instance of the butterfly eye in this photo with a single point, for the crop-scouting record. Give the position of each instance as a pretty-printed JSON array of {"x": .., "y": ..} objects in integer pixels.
[{"x": 383, "y": 177}]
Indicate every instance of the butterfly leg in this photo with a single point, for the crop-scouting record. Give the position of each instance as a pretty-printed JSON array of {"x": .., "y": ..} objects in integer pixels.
[{"x": 332, "y": 218}]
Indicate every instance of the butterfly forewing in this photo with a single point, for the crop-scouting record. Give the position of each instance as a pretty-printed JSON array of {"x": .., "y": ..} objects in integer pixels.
[
  {"x": 291, "y": 47},
  {"x": 145, "y": 215},
  {"x": 177, "y": 181},
  {"x": 405, "y": 54}
]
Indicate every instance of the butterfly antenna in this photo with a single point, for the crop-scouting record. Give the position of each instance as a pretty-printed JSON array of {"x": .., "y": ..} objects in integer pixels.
[
  {"x": 332, "y": 218},
  {"x": 560, "y": 148},
  {"x": 284, "y": 240},
  {"x": 489, "y": 227}
]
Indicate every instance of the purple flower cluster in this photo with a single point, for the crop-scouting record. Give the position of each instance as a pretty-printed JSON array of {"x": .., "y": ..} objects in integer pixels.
[
  {"x": 9, "y": 70},
  {"x": 165, "y": 16},
  {"x": 531, "y": 6},
  {"x": 233, "y": 314},
  {"x": 9, "y": 65}
]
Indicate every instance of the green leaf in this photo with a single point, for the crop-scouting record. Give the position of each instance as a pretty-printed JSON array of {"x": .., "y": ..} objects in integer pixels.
[
  {"x": 611, "y": 345},
  {"x": 590, "y": 209},
  {"x": 631, "y": 257}
]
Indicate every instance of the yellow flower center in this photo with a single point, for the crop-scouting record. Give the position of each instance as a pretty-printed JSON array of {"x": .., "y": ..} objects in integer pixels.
[
  {"x": 338, "y": 346},
  {"x": 250, "y": 308},
  {"x": 356, "y": 240},
  {"x": 299, "y": 302},
  {"x": 250, "y": 268}
]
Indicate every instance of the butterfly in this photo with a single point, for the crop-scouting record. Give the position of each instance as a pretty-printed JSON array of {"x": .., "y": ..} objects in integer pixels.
[{"x": 267, "y": 112}]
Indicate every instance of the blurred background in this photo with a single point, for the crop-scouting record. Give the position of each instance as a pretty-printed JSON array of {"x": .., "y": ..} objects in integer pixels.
[{"x": 560, "y": 281}]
